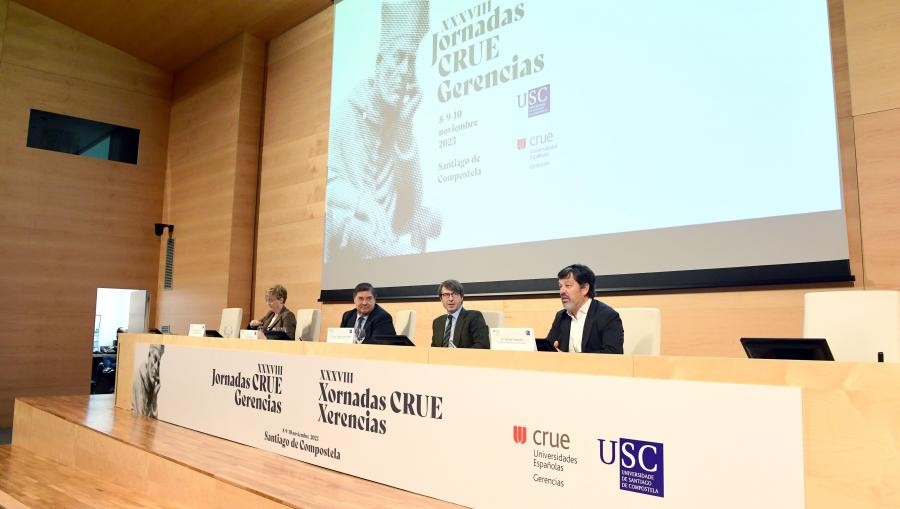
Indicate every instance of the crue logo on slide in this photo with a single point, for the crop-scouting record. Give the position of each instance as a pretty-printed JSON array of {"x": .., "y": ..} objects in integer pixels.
[
  {"x": 520, "y": 143},
  {"x": 520, "y": 434}
]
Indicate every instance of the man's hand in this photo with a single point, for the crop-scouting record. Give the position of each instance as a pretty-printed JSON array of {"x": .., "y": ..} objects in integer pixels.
[{"x": 409, "y": 103}]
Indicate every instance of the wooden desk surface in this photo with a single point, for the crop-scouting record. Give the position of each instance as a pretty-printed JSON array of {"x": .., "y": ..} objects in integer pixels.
[
  {"x": 278, "y": 478},
  {"x": 851, "y": 411}
]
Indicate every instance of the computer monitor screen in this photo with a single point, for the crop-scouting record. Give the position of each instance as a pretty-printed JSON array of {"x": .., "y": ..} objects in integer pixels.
[
  {"x": 807, "y": 349},
  {"x": 544, "y": 346},
  {"x": 279, "y": 334},
  {"x": 388, "y": 339}
]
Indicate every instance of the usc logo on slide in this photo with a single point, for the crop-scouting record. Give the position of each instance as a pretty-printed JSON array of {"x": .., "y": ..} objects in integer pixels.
[
  {"x": 640, "y": 464},
  {"x": 520, "y": 434},
  {"x": 537, "y": 100}
]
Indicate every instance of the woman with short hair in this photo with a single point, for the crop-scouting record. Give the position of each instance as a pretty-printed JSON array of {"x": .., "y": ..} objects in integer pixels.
[{"x": 279, "y": 318}]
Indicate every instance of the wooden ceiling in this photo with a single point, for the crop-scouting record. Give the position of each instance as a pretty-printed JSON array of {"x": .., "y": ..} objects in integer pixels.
[{"x": 173, "y": 33}]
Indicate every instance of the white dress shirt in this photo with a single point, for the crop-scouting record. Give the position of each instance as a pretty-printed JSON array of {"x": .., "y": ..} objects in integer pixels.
[{"x": 576, "y": 329}]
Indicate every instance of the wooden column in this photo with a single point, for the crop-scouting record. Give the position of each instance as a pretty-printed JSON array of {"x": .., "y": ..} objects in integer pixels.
[{"x": 211, "y": 183}]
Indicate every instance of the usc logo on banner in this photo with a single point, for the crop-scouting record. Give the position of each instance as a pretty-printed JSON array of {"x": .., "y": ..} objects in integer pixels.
[{"x": 640, "y": 465}]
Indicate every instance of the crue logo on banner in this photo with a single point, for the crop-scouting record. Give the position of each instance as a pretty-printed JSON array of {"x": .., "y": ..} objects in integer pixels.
[
  {"x": 519, "y": 434},
  {"x": 551, "y": 455}
]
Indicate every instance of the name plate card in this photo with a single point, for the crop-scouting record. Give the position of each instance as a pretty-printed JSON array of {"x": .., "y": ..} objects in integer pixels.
[
  {"x": 514, "y": 339},
  {"x": 197, "y": 330},
  {"x": 343, "y": 335},
  {"x": 249, "y": 334}
]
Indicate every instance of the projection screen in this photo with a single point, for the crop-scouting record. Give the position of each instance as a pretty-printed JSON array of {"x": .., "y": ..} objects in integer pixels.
[{"x": 664, "y": 144}]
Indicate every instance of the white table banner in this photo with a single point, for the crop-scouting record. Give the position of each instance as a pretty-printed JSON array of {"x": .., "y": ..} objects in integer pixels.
[{"x": 489, "y": 437}]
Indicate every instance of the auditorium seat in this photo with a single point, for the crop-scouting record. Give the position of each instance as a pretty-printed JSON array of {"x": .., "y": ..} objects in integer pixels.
[
  {"x": 643, "y": 330},
  {"x": 857, "y": 323},
  {"x": 230, "y": 325},
  {"x": 405, "y": 323},
  {"x": 493, "y": 319},
  {"x": 309, "y": 322}
]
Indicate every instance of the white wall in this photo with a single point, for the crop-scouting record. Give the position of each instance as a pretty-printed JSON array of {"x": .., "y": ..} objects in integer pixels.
[{"x": 113, "y": 304}]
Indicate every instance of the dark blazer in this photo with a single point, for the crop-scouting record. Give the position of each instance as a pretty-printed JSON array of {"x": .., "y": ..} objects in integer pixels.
[
  {"x": 470, "y": 331},
  {"x": 380, "y": 322},
  {"x": 286, "y": 322},
  {"x": 603, "y": 332}
]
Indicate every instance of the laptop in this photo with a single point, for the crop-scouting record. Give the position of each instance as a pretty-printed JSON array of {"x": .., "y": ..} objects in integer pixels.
[
  {"x": 388, "y": 339},
  {"x": 543, "y": 345},
  {"x": 805, "y": 349},
  {"x": 277, "y": 334}
]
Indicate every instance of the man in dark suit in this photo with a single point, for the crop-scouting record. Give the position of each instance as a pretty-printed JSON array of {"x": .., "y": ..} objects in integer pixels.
[
  {"x": 367, "y": 319},
  {"x": 459, "y": 328},
  {"x": 584, "y": 324}
]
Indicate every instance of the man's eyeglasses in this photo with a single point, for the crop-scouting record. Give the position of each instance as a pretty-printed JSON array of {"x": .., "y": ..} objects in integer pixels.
[{"x": 446, "y": 295}]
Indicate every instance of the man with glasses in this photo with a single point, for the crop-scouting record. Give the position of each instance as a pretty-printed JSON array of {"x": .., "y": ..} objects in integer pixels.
[
  {"x": 367, "y": 318},
  {"x": 459, "y": 328}
]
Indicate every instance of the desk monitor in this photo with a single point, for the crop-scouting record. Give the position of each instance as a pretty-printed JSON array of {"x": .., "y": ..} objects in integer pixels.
[
  {"x": 277, "y": 334},
  {"x": 806, "y": 349},
  {"x": 543, "y": 345},
  {"x": 388, "y": 339},
  {"x": 212, "y": 333}
]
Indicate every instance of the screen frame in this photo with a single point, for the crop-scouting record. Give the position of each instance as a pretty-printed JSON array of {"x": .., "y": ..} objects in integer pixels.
[{"x": 834, "y": 271}]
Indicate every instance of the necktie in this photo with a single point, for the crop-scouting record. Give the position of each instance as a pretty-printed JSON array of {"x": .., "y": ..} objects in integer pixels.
[
  {"x": 359, "y": 332},
  {"x": 448, "y": 341}
]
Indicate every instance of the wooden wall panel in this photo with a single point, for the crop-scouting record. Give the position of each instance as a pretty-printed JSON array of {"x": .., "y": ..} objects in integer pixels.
[
  {"x": 4, "y": 6},
  {"x": 839, "y": 65},
  {"x": 292, "y": 192},
  {"x": 873, "y": 35},
  {"x": 844, "y": 108},
  {"x": 873, "y": 49},
  {"x": 293, "y": 164},
  {"x": 211, "y": 185},
  {"x": 878, "y": 154},
  {"x": 243, "y": 233},
  {"x": 173, "y": 34},
  {"x": 70, "y": 224},
  {"x": 850, "y": 185},
  {"x": 37, "y": 42}
]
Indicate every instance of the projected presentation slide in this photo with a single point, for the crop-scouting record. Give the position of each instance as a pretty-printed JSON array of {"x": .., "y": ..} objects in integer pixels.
[{"x": 461, "y": 127}]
